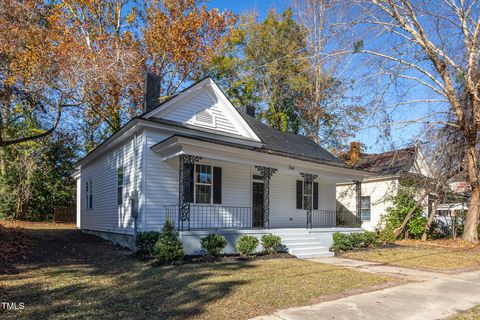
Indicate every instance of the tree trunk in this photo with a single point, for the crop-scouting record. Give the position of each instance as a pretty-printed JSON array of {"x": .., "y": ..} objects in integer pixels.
[
  {"x": 399, "y": 230},
  {"x": 430, "y": 219},
  {"x": 470, "y": 233}
]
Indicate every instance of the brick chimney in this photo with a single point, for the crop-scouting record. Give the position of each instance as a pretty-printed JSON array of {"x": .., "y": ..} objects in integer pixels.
[{"x": 151, "y": 91}]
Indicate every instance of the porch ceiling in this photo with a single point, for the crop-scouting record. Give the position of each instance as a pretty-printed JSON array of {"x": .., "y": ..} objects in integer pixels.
[{"x": 177, "y": 145}]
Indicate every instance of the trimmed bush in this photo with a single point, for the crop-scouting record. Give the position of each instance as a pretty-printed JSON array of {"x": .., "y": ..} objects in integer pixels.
[
  {"x": 352, "y": 241},
  {"x": 246, "y": 245},
  {"x": 270, "y": 243},
  {"x": 169, "y": 247},
  {"x": 341, "y": 242},
  {"x": 145, "y": 242},
  {"x": 213, "y": 244}
]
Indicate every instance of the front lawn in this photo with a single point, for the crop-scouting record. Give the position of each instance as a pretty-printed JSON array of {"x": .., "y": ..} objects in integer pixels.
[
  {"x": 430, "y": 256},
  {"x": 78, "y": 276},
  {"x": 472, "y": 314}
]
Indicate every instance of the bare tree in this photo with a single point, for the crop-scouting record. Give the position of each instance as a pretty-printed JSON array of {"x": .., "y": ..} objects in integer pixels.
[
  {"x": 435, "y": 44},
  {"x": 324, "y": 95}
]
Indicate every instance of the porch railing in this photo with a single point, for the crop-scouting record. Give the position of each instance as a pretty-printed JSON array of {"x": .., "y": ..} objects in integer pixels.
[
  {"x": 213, "y": 217},
  {"x": 348, "y": 219},
  {"x": 204, "y": 217}
]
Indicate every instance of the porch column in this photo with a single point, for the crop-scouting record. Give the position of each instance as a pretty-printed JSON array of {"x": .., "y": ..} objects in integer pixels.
[
  {"x": 267, "y": 173},
  {"x": 308, "y": 179},
  {"x": 184, "y": 179},
  {"x": 358, "y": 198}
]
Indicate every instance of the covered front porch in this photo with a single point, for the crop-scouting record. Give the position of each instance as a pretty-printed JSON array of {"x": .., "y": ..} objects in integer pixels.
[
  {"x": 229, "y": 188},
  {"x": 218, "y": 217}
]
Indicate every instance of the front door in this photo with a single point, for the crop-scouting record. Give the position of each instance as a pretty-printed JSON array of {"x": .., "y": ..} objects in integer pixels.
[{"x": 257, "y": 205}]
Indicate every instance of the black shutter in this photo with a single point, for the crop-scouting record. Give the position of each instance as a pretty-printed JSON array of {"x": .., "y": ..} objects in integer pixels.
[
  {"x": 192, "y": 184},
  {"x": 299, "y": 194},
  {"x": 217, "y": 185},
  {"x": 315, "y": 196}
]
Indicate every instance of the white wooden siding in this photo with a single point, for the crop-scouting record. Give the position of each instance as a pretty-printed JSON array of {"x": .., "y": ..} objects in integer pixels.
[
  {"x": 187, "y": 112},
  {"x": 161, "y": 184},
  {"x": 283, "y": 201},
  {"x": 105, "y": 214},
  {"x": 379, "y": 192},
  {"x": 161, "y": 180}
]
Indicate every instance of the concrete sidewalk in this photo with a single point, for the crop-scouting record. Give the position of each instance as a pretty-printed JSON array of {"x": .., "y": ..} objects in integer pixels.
[
  {"x": 435, "y": 298},
  {"x": 375, "y": 267}
]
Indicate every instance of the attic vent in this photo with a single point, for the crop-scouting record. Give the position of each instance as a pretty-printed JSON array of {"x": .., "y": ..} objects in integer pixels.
[{"x": 204, "y": 117}]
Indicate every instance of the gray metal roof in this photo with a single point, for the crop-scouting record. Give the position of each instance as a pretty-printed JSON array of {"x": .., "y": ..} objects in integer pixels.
[{"x": 288, "y": 143}]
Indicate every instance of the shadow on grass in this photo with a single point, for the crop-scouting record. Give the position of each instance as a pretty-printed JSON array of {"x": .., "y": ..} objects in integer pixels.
[{"x": 72, "y": 275}]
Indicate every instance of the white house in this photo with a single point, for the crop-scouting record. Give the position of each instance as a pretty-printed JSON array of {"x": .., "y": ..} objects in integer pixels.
[
  {"x": 388, "y": 170},
  {"x": 210, "y": 168}
]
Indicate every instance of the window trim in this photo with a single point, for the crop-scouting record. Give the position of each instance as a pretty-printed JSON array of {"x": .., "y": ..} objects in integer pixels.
[
  {"x": 365, "y": 208},
  {"x": 120, "y": 186},
  {"x": 303, "y": 195},
  {"x": 195, "y": 183},
  {"x": 89, "y": 194}
]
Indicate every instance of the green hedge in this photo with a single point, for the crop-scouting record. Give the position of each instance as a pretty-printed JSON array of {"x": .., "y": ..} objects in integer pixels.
[{"x": 352, "y": 241}]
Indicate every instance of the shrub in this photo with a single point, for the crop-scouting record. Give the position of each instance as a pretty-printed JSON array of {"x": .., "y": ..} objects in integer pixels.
[
  {"x": 403, "y": 202},
  {"x": 213, "y": 244},
  {"x": 341, "y": 242},
  {"x": 370, "y": 239},
  {"x": 270, "y": 243},
  {"x": 169, "y": 247},
  {"x": 386, "y": 234},
  {"x": 352, "y": 241},
  {"x": 246, "y": 245},
  {"x": 145, "y": 242}
]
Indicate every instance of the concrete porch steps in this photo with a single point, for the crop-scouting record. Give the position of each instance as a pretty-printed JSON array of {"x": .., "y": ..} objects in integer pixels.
[{"x": 303, "y": 244}]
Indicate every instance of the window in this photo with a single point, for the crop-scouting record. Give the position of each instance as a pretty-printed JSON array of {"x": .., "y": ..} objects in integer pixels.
[
  {"x": 203, "y": 183},
  {"x": 365, "y": 208},
  {"x": 206, "y": 185},
  {"x": 302, "y": 198},
  {"x": 120, "y": 186},
  {"x": 89, "y": 194}
]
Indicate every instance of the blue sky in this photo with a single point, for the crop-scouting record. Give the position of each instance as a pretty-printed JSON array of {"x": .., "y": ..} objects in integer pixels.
[
  {"x": 242, "y": 6},
  {"x": 369, "y": 136}
]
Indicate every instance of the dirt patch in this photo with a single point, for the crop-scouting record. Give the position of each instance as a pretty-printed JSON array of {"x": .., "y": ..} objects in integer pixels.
[
  {"x": 32, "y": 245},
  {"x": 235, "y": 258},
  {"x": 15, "y": 244}
]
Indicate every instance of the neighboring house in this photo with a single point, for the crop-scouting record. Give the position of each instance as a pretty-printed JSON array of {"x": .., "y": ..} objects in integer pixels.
[
  {"x": 209, "y": 168},
  {"x": 388, "y": 169}
]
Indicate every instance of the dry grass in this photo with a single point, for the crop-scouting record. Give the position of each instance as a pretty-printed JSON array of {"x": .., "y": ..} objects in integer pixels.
[
  {"x": 30, "y": 225},
  {"x": 83, "y": 277},
  {"x": 472, "y": 314},
  {"x": 433, "y": 255}
]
